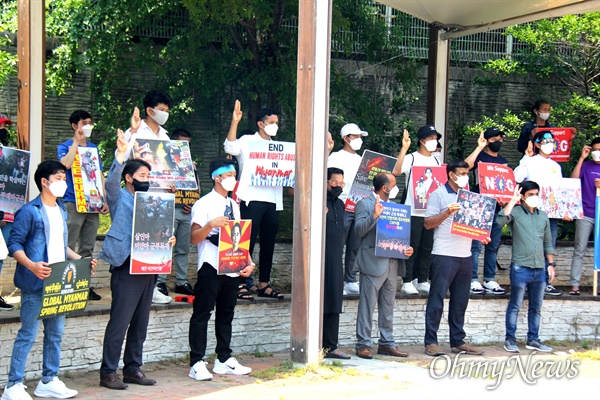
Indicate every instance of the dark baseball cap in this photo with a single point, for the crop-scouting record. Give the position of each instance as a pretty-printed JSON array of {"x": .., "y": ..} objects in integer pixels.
[
  {"x": 492, "y": 132},
  {"x": 427, "y": 131}
]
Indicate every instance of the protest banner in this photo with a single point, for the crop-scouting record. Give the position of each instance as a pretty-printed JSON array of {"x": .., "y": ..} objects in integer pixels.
[
  {"x": 476, "y": 215},
  {"x": 234, "y": 246},
  {"x": 269, "y": 163},
  {"x": 424, "y": 181},
  {"x": 171, "y": 162},
  {"x": 14, "y": 176},
  {"x": 87, "y": 180},
  {"x": 563, "y": 138},
  {"x": 67, "y": 288},
  {"x": 496, "y": 180},
  {"x": 154, "y": 215},
  {"x": 370, "y": 165},
  {"x": 562, "y": 197},
  {"x": 392, "y": 235}
]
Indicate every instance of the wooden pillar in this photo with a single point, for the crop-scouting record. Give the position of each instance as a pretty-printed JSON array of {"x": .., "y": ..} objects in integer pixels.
[
  {"x": 312, "y": 109},
  {"x": 31, "y": 104},
  {"x": 437, "y": 81}
]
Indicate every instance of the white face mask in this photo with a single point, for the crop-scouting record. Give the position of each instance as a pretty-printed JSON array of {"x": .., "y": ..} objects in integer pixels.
[
  {"x": 431, "y": 145},
  {"x": 596, "y": 155},
  {"x": 87, "y": 130},
  {"x": 547, "y": 148},
  {"x": 544, "y": 116},
  {"x": 160, "y": 116},
  {"x": 58, "y": 188},
  {"x": 271, "y": 129},
  {"x": 533, "y": 201},
  {"x": 394, "y": 192},
  {"x": 462, "y": 181},
  {"x": 228, "y": 183},
  {"x": 356, "y": 144}
]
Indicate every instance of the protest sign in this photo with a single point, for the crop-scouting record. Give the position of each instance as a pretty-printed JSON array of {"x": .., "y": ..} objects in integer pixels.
[
  {"x": 563, "y": 138},
  {"x": 476, "y": 215},
  {"x": 424, "y": 181},
  {"x": 562, "y": 197},
  {"x": 171, "y": 162},
  {"x": 392, "y": 236},
  {"x": 370, "y": 165},
  {"x": 67, "y": 288},
  {"x": 496, "y": 180},
  {"x": 234, "y": 246},
  {"x": 87, "y": 180},
  {"x": 14, "y": 175},
  {"x": 269, "y": 163},
  {"x": 154, "y": 215}
]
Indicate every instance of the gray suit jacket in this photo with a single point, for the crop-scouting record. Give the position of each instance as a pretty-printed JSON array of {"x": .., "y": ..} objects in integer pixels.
[{"x": 365, "y": 227}]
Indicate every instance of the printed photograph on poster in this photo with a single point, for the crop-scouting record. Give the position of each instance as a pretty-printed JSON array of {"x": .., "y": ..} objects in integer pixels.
[
  {"x": 14, "y": 175},
  {"x": 171, "y": 162},
  {"x": 269, "y": 163},
  {"x": 424, "y": 181},
  {"x": 234, "y": 246},
  {"x": 562, "y": 198},
  {"x": 476, "y": 215},
  {"x": 87, "y": 180},
  {"x": 154, "y": 216},
  {"x": 563, "y": 139},
  {"x": 370, "y": 165},
  {"x": 67, "y": 288},
  {"x": 496, "y": 180},
  {"x": 392, "y": 235}
]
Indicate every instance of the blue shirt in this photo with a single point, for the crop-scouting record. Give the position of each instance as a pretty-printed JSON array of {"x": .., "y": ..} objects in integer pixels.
[{"x": 62, "y": 150}]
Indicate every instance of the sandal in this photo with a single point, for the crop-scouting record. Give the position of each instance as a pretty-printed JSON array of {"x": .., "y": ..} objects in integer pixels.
[
  {"x": 575, "y": 292},
  {"x": 253, "y": 289},
  {"x": 244, "y": 294},
  {"x": 273, "y": 293}
]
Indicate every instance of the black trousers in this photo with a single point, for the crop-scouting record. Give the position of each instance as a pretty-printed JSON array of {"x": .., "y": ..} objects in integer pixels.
[
  {"x": 331, "y": 329},
  {"x": 421, "y": 239},
  {"x": 265, "y": 223},
  {"x": 452, "y": 273},
  {"x": 210, "y": 290},
  {"x": 129, "y": 313}
]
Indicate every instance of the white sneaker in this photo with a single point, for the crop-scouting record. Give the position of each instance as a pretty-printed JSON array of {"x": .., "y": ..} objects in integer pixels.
[
  {"x": 159, "y": 298},
  {"x": 423, "y": 287},
  {"x": 230, "y": 367},
  {"x": 55, "y": 389},
  {"x": 199, "y": 372},
  {"x": 351, "y": 288},
  {"x": 476, "y": 288},
  {"x": 408, "y": 288},
  {"x": 15, "y": 392},
  {"x": 493, "y": 287}
]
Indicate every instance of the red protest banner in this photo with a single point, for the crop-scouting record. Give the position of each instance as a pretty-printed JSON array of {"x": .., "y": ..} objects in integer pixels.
[
  {"x": 496, "y": 180},
  {"x": 563, "y": 138},
  {"x": 424, "y": 181}
]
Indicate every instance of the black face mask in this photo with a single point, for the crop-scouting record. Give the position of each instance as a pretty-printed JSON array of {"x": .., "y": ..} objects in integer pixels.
[
  {"x": 140, "y": 186},
  {"x": 495, "y": 146},
  {"x": 3, "y": 134},
  {"x": 336, "y": 191}
]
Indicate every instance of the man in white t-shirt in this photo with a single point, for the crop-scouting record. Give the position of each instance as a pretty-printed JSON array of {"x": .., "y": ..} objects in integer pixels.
[{"x": 348, "y": 161}]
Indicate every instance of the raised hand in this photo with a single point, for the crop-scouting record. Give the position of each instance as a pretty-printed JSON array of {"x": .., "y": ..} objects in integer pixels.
[
  {"x": 237, "y": 112},
  {"x": 378, "y": 207},
  {"x": 517, "y": 195},
  {"x": 481, "y": 142},
  {"x": 585, "y": 152},
  {"x": 529, "y": 152},
  {"x": 406, "y": 140},
  {"x": 121, "y": 142},
  {"x": 136, "y": 121}
]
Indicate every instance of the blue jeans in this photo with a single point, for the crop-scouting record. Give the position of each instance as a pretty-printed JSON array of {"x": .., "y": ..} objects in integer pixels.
[
  {"x": 554, "y": 233},
  {"x": 490, "y": 256},
  {"x": 535, "y": 280},
  {"x": 31, "y": 304}
]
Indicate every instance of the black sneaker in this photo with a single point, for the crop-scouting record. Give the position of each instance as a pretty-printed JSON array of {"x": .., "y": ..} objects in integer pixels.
[
  {"x": 185, "y": 289},
  {"x": 94, "y": 296},
  {"x": 552, "y": 291},
  {"x": 162, "y": 287},
  {"x": 4, "y": 306}
]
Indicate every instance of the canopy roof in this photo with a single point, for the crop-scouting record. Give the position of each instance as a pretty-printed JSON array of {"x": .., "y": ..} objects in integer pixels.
[{"x": 465, "y": 17}]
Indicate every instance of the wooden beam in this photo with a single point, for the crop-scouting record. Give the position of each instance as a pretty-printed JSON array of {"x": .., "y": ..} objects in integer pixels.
[{"x": 312, "y": 106}]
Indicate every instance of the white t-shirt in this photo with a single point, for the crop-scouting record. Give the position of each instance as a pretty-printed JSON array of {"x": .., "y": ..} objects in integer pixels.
[
  {"x": 415, "y": 159},
  {"x": 542, "y": 171},
  {"x": 56, "y": 246},
  {"x": 143, "y": 132},
  {"x": 347, "y": 162},
  {"x": 206, "y": 209}
]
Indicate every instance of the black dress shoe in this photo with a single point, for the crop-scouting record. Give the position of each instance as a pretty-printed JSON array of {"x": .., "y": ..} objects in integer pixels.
[
  {"x": 112, "y": 381},
  {"x": 162, "y": 287},
  {"x": 94, "y": 296},
  {"x": 138, "y": 378},
  {"x": 184, "y": 289}
]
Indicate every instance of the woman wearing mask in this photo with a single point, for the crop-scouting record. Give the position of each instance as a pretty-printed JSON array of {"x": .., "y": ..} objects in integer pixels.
[{"x": 541, "y": 115}]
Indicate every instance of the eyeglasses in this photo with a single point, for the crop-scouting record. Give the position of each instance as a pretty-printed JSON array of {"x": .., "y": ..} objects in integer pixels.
[{"x": 337, "y": 183}]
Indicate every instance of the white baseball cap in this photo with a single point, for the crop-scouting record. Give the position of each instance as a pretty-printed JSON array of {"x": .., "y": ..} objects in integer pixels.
[{"x": 353, "y": 129}]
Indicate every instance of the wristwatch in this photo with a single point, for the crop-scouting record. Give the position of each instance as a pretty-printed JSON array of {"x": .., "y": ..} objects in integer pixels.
[{"x": 552, "y": 264}]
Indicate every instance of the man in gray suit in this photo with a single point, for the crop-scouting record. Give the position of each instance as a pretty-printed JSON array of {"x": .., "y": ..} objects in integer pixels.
[{"x": 379, "y": 275}]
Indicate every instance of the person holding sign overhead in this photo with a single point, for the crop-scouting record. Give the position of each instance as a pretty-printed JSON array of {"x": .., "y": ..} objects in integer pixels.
[{"x": 39, "y": 238}]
